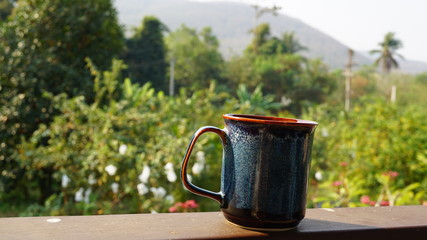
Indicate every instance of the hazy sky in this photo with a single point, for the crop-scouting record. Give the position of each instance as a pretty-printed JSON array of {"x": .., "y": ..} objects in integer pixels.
[{"x": 362, "y": 24}]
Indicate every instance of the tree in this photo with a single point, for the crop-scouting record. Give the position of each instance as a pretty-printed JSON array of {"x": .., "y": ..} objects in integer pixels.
[
  {"x": 261, "y": 36},
  {"x": 314, "y": 85},
  {"x": 43, "y": 49},
  {"x": 259, "y": 11},
  {"x": 6, "y": 7},
  {"x": 275, "y": 63},
  {"x": 290, "y": 43},
  {"x": 50, "y": 49},
  {"x": 265, "y": 44},
  {"x": 387, "y": 52},
  {"x": 146, "y": 54},
  {"x": 196, "y": 56}
]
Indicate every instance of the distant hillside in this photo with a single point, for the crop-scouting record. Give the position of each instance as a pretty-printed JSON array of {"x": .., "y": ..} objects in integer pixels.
[{"x": 232, "y": 21}]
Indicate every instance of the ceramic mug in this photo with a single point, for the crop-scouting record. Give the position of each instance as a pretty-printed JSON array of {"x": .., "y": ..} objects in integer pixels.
[{"x": 265, "y": 170}]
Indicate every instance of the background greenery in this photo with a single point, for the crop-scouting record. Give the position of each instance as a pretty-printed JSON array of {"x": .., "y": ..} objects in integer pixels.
[{"x": 82, "y": 132}]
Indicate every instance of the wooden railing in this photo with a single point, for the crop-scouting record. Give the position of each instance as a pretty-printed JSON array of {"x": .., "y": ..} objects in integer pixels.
[{"x": 403, "y": 222}]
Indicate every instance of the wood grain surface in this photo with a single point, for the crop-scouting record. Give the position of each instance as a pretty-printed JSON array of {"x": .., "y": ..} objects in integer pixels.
[{"x": 403, "y": 222}]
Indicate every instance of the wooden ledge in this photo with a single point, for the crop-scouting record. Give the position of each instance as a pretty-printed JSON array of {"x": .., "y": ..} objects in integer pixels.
[{"x": 403, "y": 222}]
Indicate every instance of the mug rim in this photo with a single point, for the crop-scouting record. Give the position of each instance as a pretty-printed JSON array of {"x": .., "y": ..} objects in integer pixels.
[{"x": 269, "y": 120}]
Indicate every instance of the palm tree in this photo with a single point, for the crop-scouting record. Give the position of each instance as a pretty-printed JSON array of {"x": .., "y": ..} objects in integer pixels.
[
  {"x": 387, "y": 58},
  {"x": 291, "y": 44}
]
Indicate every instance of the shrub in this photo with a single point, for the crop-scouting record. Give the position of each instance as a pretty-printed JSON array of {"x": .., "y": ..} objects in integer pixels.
[{"x": 376, "y": 150}]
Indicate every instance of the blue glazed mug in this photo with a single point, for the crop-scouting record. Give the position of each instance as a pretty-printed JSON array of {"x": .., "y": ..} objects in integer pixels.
[{"x": 265, "y": 166}]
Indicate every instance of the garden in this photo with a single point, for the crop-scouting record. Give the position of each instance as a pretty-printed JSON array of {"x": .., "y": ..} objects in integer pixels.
[{"x": 83, "y": 133}]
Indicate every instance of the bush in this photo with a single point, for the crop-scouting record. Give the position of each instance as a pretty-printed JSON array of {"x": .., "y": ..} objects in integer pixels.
[
  {"x": 377, "y": 151},
  {"x": 43, "y": 46},
  {"x": 123, "y": 152}
]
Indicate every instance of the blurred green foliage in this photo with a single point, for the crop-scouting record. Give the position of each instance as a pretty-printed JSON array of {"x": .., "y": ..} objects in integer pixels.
[
  {"x": 6, "y": 7},
  {"x": 76, "y": 137},
  {"x": 196, "y": 57},
  {"x": 43, "y": 47},
  {"x": 146, "y": 54},
  {"x": 265, "y": 44},
  {"x": 375, "y": 151},
  {"x": 154, "y": 130},
  {"x": 274, "y": 62},
  {"x": 355, "y": 151}
]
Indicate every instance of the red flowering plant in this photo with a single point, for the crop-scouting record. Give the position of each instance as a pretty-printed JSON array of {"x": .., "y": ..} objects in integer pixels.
[
  {"x": 366, "y": 200},
  {"x": 187, "y": 206},
  {"x": 341, "y": 186},
  {"x": 387, "y": 196}
]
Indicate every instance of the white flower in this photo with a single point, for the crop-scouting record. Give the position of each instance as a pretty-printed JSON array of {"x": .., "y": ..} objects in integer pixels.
[
  {"x": 143, "y": 177},
  {"x": 324, "y": 132},
  {"x": 115, "y": 187},
  {"x": 79, "y": 195},
  {"x": 158, "y": 192},
  {"x": 65, "y": 180},
  {"x": 200, "y": 156},
  {"x": 91, "y": 179},
  {"x": 111, "y": 169},
  {"x": 169, "y": 166},
  {"x": 171, "y": 175},
  {"x": 122, "y": 149},
  {"x": 197, "y": 168},
  {"x": 153, "y": 211},
  {"x": 87, "y": 195},
  {"x": 318, "y": 176},
  {"x": 285, "y": 101},
  {"x": 200, "y": 163},
  {"x": 142, "y": 189},
  {"x": 170, "y": 199}
]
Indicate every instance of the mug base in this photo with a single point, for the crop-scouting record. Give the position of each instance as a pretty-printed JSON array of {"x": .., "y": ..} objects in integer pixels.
[
  {"x": 260, "y": 225},
  {"x": 261, "y": 229}
]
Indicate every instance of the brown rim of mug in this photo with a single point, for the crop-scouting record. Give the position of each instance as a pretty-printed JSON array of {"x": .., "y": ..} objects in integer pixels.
[{"x": 269, "y": 120}]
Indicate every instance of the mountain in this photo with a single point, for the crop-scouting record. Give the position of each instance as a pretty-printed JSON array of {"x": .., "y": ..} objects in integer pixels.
[{"x": 231, "y": 23}]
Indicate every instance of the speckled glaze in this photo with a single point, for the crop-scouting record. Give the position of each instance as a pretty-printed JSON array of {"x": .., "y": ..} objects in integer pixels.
[{"x": 264, "y": 171}]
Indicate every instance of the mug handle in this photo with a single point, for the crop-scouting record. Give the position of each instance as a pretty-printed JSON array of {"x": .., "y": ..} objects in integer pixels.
[{"x": 217, "y": 196}]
